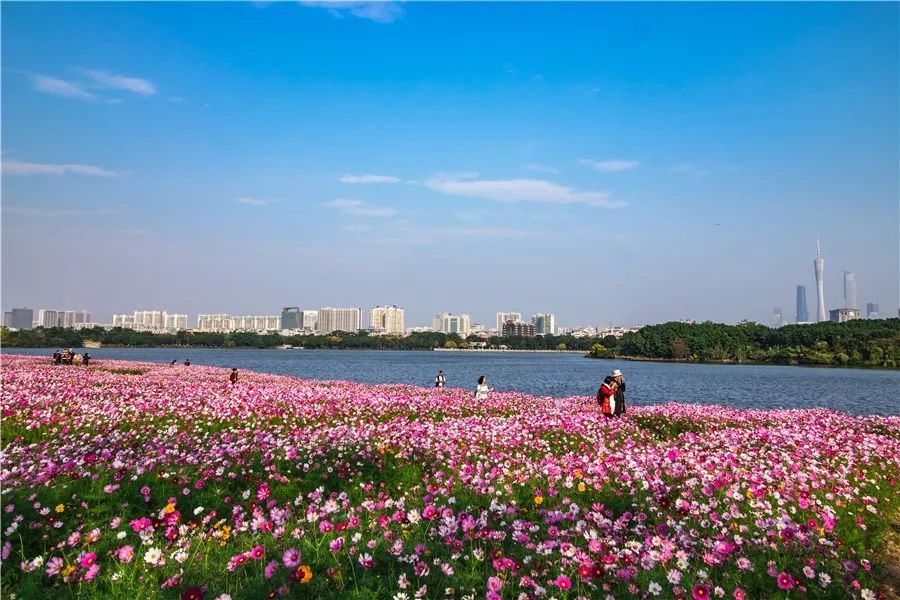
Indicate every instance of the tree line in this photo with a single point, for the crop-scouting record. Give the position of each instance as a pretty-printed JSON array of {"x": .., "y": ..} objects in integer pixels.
[
  {"x": 874, "y": 343},
  {"x": 56, "y": 337}
]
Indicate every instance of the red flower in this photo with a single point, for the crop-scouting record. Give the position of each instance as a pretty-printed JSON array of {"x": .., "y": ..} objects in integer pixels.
[{"x": 193, "y": 593}]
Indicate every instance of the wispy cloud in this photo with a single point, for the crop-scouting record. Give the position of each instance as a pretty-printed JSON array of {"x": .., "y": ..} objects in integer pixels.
[
  {"x": 26, "y": 168},
  {"x": 252, "y": 201},
  {"x": 610, "y": 166},
  {"x": 357, "y": 228},
  {"x": 533, "y": 166},
  {"x": 59, "y": 87},
  {"x": 369, "y": 179},
  {"x": 382, "y": 12},
  {"x": 518, "y": 190},
  {"x": 121, "y": 82},
  {"x": 686, "y": 169},
  {"x": 359, "y": 208}
]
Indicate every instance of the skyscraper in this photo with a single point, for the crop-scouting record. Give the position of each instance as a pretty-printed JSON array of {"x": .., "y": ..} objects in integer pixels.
[
  {"x": 447, "y": 323},
  {"x": 871, "y": 310},
  {"x": 503, "y": 317},
  {"x": 819, "y": 264},
  {"x": 338, "y": 319},
  {"x": 544, "y": 323},
  {"x": 387, "y": 319},
  {"x": 290, "y": 317},
  {"x": 22, "y": 318},
  {"x": 849, "y": 289},
  {"x": 802, "y": 313}
]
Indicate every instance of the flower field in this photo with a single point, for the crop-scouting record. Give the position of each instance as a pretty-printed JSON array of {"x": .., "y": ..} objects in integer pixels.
[{"x": 131, "y": 480}]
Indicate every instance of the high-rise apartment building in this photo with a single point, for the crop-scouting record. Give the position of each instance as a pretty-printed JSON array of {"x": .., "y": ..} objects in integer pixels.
[
  {"x": 503, "y": 317},
  {"x": 338, "y": 319},
  {"x": 308, "y": 319},
  {"x": 387, "y": 319},
  {"x": 513, "y": 328},
  {"x": 777, "y": 317},
  {"x": 47, "y": 318},
  {"x": 215, "y": 323},
  {"x": 849, "y": 289},
  {"x": 872, "y": 310},
  {"x": 819, "y": 264},
  {"x": 153, "y": 321},
  {"x": 544, "y": 323},
  {"x": 802, "y": 313},
  {"x": 255, "y": 323},
  {"x": 290, "y": 317},
  {"x": 447, "y": 323},
  {"x": 21, "y": 318}
]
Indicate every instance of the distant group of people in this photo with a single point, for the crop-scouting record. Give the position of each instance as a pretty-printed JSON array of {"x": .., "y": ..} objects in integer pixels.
[
  {"x": 68, "y": 357},
  {"x": 187, "y": 362},
  {"x": 610, "y": 396}
]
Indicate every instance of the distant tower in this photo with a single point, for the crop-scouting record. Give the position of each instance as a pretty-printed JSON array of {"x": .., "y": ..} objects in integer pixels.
[
  {"x": 820, "y": 283},
  {"x": 849, "y": 289},
  {"x": 777, "y": 317},
  {"x": 802, "y": 313},
  {"x": 872, "y": 310}
]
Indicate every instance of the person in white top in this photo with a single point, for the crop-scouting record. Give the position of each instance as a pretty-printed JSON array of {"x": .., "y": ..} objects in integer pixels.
[
  {"x": 482, "y": 390},
  {"x": 440, "y": 380}
]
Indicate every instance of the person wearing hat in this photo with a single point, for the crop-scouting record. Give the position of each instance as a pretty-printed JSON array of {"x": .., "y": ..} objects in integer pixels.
[{"x": 620, "y": 391}]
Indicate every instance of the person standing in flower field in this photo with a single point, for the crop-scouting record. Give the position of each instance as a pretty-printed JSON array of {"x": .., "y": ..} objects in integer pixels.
[
  {"x": 482, "y": 390},
  {"x": 606, "y": 396},
  {"x": 233, "y": 378},
  {"x": 440, "y": 380},
  {"x": 620, "y": 391}
]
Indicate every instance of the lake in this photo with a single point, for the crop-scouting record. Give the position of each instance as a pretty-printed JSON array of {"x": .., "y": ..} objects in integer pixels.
[{"x": 856, "y": 391}]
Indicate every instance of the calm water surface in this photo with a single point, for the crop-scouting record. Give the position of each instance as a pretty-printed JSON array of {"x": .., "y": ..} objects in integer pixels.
[{"x": 855, "y": 391}]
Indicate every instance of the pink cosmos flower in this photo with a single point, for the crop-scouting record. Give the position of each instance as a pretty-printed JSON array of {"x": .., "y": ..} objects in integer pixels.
[
  {"x": 291, "y": 558},
  {"x": 91, "y": 572},
  {"x": 494, "y": 584},
  {"x": 270, "y": 569},
  {"x": 88, "y": 559},
  {"x": 739, "y": 594},
  {"x": 336, "y": 544},
  {"x": 429, "y": 512},
  {"x": 54, "y": 566},
  {"x": 563, "y": 582},
  {"x": 125, "y": 554},
  {"x": 700, "y": 591},
  {"x": 257, "y": 553},
  {"x": 145, "y": 490},
  {"x": 785, "y": 581}
]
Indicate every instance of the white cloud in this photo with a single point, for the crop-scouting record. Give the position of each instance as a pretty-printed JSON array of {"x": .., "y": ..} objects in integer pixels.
[
  {"x": 382, "y": 12},
  {"x": 26, "y": 168},
  {"x": 369, "y": 179},
  {"x": 121, "y": 82},
  {"x": 252, "y": 201},
  {"x": 59, "y": 87},
  {"x": 533, "y": 166},
  {"x": 686, "y": 169},
  {"x": 359, "y": 208},
  {"x": 610, "y": 166},
  {"x": 518, "y": 190}
]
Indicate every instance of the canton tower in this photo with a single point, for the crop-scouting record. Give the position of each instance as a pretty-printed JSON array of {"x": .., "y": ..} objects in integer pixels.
[{"x": 820, "y": 282}]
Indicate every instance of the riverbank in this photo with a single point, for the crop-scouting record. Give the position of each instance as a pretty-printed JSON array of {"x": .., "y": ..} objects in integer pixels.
[
  {"x": 688, "y": 361},
  {"x": 136, "y": 480}
]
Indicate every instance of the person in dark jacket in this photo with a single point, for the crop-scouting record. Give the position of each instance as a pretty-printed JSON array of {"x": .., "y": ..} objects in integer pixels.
[
  {"x": 440, "y": 380},
  {"x": 233, "y": 378},
  {"x": 620, "y": 391}
]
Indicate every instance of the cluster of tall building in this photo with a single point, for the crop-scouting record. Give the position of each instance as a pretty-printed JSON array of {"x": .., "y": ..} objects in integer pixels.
[
  {"x": 23, "y": 318},
  {"x": 848, "y": 312},
  {"x": 154, "y": 321}
]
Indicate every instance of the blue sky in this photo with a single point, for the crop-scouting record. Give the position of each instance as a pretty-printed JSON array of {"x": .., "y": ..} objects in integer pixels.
[{"x": 610, "y": 163}]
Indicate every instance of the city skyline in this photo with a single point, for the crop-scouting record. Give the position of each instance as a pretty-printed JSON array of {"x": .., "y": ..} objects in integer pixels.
[{"x": 647, "y": 166}]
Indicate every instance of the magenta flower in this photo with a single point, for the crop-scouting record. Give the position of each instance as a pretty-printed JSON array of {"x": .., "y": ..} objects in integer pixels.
[
  {"x": 563, "y": 582},
  {"x": 700, "y": 591},
  {"x": 125, "y": 554},
  {"x": 785, "y": 581},
  {"x": 494, "y": 584},
  {"x": 291, "y": 558},
  {"x": 739, "y": 594},
  {"x": 91, "y": 572},
  {"x": 88, "y": 559},
  {"x": 257, "y": 553},
  {"x": 270, "y": 569}
]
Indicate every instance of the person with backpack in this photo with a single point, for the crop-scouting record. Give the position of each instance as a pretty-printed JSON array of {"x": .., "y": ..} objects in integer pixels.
[{"x": 606, "y": 397}]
